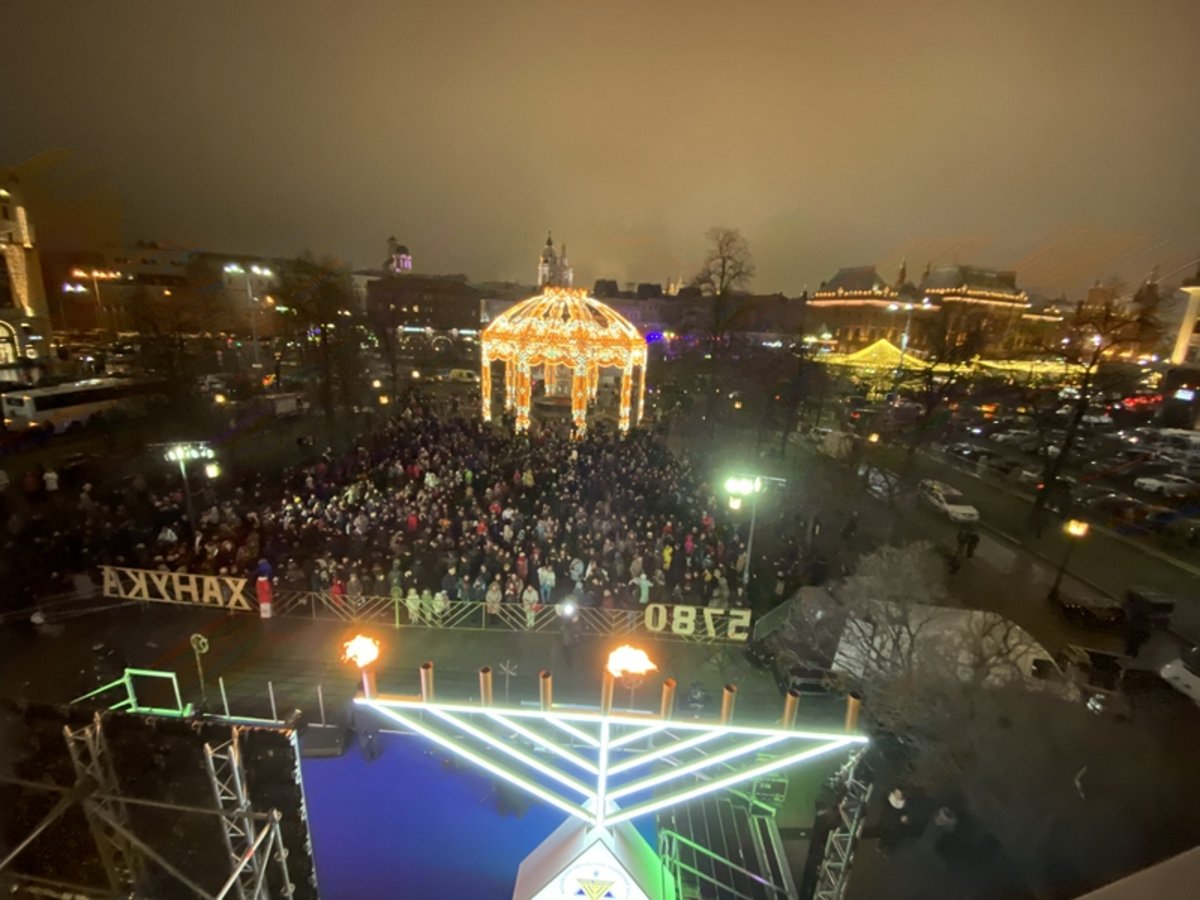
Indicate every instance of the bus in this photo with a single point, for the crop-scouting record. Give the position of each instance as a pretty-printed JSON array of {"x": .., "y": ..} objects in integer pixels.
[{"x": 72, "y": 405}]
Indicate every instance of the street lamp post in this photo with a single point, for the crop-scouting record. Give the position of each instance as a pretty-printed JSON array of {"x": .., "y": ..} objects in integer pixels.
[
  {"x": 908, "y": 310},
  {"x": 739, "y": 487},
  {"x": 1075, "y": 529},
  {"x": 96, "y": 276},
  {"x": 237, "y": 269},
  {"x": 182, "y": 454}
]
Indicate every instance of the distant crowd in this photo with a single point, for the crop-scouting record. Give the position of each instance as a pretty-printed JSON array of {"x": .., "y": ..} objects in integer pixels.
[{"x": 431, "y": 507}]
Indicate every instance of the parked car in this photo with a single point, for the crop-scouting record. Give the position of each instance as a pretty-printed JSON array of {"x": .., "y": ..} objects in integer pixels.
[
  {"x": 948, "y": 501},
  {"x": 1002, "y": 465},
  {"x": 1114, "y": 509},
  {"x": 1013, "y": 436},
  {"x": 881, "y": 483},
  {"x": 1167, "y": 484},
  {"x": 1109, "y": 465},
  {"x": 1183, "y": 674},
  {"x": 967, "y": 451}
]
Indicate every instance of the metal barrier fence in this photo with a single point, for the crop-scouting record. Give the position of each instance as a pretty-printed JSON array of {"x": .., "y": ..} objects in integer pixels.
[{"x": 696, "y": 624}]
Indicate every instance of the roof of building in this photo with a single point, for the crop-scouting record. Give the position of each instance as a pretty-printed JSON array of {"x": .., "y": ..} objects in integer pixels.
[
  {"x": 968, "y": 278},
  {"x": 855, "y": 278}
]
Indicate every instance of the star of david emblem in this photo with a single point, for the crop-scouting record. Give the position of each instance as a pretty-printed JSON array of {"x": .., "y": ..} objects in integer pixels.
[{"x": 594, "y": 888}]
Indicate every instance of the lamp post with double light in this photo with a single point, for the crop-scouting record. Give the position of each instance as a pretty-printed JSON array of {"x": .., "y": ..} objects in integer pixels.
[
  {"x": 185, "y": 452},
  {"x": 1075, "y": 530},
  {"x": 739, "y": 487},
  {"x": 96, "y": 276},
  {"x": 234, "y": 268},
  {"x": 908, "y": 313}
]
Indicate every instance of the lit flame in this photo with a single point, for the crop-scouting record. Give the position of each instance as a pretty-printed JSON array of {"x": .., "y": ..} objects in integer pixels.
[
  {"x": 629, "y": 660},
  {"x": 361, "y": 650}
]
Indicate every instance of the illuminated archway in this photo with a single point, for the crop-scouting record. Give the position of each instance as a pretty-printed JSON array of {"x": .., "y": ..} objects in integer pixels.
[{"x": 563, "y": 328}]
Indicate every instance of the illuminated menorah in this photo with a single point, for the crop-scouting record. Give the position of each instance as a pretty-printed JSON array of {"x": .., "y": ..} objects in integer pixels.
[{"x": 590, "y": 762}]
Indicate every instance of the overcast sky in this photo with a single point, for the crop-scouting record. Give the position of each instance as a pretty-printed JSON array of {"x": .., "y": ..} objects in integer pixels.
[{"x": 1060, "y": 138}]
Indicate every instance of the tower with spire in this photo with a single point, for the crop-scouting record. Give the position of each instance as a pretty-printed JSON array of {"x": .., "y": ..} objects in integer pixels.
[{"x": 554, "y": 269}]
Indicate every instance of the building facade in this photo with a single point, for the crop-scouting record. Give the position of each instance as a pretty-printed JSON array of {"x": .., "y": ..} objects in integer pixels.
[
  {"x": 421, "y": 302},
  {"x": 554, "y": 269},
  {"x": 24, "y": 318},
  {"x": 951, "y": 310}
]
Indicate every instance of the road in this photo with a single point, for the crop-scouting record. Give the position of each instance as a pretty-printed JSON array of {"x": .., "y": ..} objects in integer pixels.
[{"x": 1102, "y": 562}]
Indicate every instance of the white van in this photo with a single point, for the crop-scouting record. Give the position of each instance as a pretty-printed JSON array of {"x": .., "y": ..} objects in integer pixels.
[{"x": 463, "y": 376}]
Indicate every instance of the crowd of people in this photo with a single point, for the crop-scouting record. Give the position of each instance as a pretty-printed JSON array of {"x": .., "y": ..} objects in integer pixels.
[{"x": 431, "y": 507}]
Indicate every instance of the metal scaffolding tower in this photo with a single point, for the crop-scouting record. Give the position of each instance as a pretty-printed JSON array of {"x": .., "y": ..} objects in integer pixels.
[
  {"x": 228, "y": 778},
  {"x": 106, "y": 815},
  {"x": 834, "y": 873}
]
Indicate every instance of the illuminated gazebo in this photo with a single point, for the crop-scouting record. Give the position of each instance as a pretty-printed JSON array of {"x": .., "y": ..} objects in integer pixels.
[{"x": 570, "y": 336}]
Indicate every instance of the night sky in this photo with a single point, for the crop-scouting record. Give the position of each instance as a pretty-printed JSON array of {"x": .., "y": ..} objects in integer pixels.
[{"x": 1060, "y": 138}]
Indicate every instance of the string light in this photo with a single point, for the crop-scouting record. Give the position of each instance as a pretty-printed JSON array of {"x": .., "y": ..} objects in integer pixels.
[{"x": 562, "y": 328}]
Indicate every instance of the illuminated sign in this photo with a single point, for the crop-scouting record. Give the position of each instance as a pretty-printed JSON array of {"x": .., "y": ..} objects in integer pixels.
[
  {"x": 687, "y": 621},
  {"x": 1185, "y": 394},
  {"x": 176, "y": 587}
]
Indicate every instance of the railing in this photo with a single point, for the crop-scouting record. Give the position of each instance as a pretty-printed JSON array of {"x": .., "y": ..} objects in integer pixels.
[
  {"x": 696, "y": 624},
  {"x": 671, "y": 842}
]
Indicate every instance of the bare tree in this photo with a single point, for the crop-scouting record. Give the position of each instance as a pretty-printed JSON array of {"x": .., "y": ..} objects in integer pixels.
[
  {"x": 321, "y": 293},
  {"x": 385, "y": 323},
  {"x": 919, "y": 665},
  {"x": 728, "y": 267},
  {"x": 1097, "y": 332}
]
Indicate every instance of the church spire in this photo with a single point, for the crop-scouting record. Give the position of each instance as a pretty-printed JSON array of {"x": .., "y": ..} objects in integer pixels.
[{"x": 903, "y": 276}]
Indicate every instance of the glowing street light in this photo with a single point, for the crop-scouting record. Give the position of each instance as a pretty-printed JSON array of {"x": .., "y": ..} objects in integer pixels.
[
  {"x": 739, "y": 487},
  {"x": 1075, "y": 530},
  {"x": 183, "y": 453},
  {"x": 262, "y": 272},
  {"x": 96, "y": 275}
]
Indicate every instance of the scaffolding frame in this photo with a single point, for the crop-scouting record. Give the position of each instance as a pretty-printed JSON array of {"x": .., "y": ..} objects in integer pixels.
[
  {"x": 90, "y": 757},
  {"x": 834, "y": 874},
  {"x": 224, "y": 766},
  {"x": 253, "y": 839}
]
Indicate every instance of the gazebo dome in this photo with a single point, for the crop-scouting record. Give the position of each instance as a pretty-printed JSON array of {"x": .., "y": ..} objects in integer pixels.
[{"x": 562, "y": 327}]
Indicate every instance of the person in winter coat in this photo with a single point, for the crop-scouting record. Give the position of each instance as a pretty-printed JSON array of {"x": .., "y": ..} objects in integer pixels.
[
  {"x": 546, "y": 582},
  {"x": 337, "y": 593},
  {"x": 531, "y": 602},
  {"x": 354, "y": 589},
  {"x": 494, "y": 597},
  {"x": 413, "y": 602},
  {"x": 440, "y": 604},
  {"x": 642, "y": 584}
]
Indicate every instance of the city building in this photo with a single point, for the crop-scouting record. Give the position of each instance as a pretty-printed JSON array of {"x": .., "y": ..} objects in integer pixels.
[
  {"x": 554, "y": 269},
  {"x": 1178, "y": 314},
  {"x": 159, "y": 288},
  {"x": 955, "y": 306},
  {"x": 24, "y": 319}
]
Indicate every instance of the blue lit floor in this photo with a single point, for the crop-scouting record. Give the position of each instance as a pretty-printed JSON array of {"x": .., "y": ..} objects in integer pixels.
[{"x": 412, "y": 825}]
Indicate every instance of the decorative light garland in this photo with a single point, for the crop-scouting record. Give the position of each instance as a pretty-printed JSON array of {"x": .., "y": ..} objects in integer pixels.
[{"x": 562, "y": 328}]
